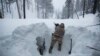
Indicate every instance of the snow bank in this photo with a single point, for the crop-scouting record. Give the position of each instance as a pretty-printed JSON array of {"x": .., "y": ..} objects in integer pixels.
[
  {"x": 23, "y": 40},
  {"x": 7, "y": 26},
  {"x": 81, "y": 39},
  {"x": 39, "y": 29}
]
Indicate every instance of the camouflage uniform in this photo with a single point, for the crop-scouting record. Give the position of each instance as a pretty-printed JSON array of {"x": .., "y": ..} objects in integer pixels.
[
  {"x": 41, "y": 44},
  {"x": 57, "y": 36}
]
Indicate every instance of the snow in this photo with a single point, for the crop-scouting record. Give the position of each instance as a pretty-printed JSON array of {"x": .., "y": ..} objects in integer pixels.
[
  {"x": 81, "y": 39},
  {"x": 18, "y": 36},
  {"x": 8, "y": 25}
]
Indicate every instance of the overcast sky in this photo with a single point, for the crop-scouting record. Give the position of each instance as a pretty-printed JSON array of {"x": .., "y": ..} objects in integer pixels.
[{"x": 58, "y": 4}]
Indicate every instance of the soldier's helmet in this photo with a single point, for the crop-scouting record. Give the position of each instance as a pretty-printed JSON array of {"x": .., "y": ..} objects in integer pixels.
[{"x": 62, "y": 25}]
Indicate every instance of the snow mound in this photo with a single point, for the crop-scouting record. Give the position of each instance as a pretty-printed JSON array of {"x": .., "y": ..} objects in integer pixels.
[
  {"x": 22, "y": 42},
  {"x": 82, "y": 39},
  {"x": 39, "y": 29}
]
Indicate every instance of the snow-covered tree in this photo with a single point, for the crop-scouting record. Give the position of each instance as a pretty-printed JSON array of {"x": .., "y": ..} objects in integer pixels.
[
  {"x": 44, "y": 8},
  {"x": 68, "y": 9},
  {"x": 77, "y": 5}
]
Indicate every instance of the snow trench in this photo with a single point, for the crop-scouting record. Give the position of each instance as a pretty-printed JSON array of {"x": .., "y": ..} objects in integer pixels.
[{"x": 22, "y": 42}]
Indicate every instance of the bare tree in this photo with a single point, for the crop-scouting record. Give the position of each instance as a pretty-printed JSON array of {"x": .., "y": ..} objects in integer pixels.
[
  {"x": 9, "y": 6},
  {"x": 24, "y": 11},
  {"x": 6, "y": 6},
  {"x": 2, "y": 9},
  {"x": 84, "y": 8},
  {"x": 18, "y": 9},
  {"x": 0, "y": 15}
]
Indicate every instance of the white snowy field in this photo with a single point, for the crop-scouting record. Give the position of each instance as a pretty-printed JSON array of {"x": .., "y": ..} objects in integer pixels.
[{"x": 18, "y": 36}]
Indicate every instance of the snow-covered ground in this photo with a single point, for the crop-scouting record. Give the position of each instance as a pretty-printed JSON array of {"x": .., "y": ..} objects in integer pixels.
[
  {"x": 7, "y": 26},
  {"x": 18, "y": 36}
]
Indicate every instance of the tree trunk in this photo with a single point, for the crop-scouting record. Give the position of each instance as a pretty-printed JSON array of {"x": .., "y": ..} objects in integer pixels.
[
  {"x": 0, "y": 15},
  {"x": 84, "y": 8},
  {"x": 18, "y": 9},
  {"x": 9, "y": 7},
  {"x": 24, "y": 12},
  {"x": 2, "y": 9},
  {"x": 6, "y": 6},
  {"x": 95, "y": 6}
]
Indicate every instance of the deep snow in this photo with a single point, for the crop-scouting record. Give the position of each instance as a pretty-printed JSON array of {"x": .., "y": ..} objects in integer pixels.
[
  {"x": 22, "y": 42},
  {"x": 7, "y": 26},
  {"x": 18, "y": 37}
]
